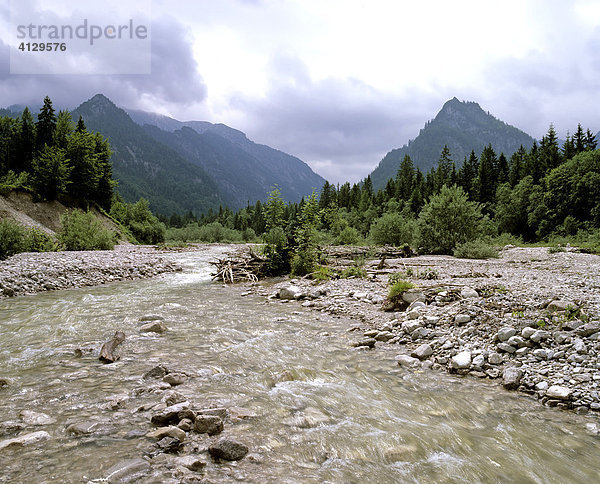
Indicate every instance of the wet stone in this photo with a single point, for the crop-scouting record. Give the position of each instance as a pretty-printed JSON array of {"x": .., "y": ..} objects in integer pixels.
[
  {"x": 156, "y": 372},
  {"x": 228, "y": 449},
  {"x": 408, "y": 361},
  {"x": 511, "y": 378},
  {"x": 422, "y": 352},
  {"x": 175, "y": 379},
  {"x": 127, "y": 471},
  {"x": 208, "y": 424}
]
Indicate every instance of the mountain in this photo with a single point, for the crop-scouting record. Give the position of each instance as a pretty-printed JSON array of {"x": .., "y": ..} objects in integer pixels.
[
  {"x": 146, "y": 168},
  {"x": 243, "y": 170},
  {"x": 463, "y": 126}
]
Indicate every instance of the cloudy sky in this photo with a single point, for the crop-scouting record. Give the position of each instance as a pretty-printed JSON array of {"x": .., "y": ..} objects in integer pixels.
[{"x": 339, "y": 83}]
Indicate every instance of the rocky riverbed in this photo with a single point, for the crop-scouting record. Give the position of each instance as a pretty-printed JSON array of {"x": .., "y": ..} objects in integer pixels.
[
  {"x": 30, "y": 273},
  {"x": 530, "y": 319}
]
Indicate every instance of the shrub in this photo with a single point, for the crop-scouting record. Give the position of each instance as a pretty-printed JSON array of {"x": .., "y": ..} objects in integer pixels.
[
  {"x": 39, "y": 241},
  {"x": 322, "y": 273},
  {"x": 140, "y": 221},
  {"x": 83, "y": 231},
  {"x": 12, "y": 181},
  {"x": 447, "y": 220},
  {"x": 393, "y": 229},
  {"x": 475, "y": 249},
  {"x": 394, "y": 300},
  {"x": 12, "y": 238},
  {"x": 348, "y": 236},
  {"x": 353, "y": 272}
]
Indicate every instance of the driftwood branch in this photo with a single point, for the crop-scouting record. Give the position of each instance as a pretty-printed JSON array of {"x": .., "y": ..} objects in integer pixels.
[
  {"x": 240, "y": 267},
  {"x": 107, "y": 353}
]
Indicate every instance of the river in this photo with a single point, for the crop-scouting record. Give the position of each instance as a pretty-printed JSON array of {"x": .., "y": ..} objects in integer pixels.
[{"x": 325, "y": 412}]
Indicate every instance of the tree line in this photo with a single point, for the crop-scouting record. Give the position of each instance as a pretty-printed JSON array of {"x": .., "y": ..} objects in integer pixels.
[{"x": 545, "y": 191}]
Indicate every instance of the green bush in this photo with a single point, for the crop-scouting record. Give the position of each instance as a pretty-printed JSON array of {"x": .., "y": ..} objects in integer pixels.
[
  {"x": 15, "y": 238},
  {"x": 37, "y": 240},
  {"x": 322, "y": 273},
  {"x": 347, "y": 236},
  {"x": 12, "y": 238},
  {"x": 476, "y": 249},
  {"x": 393, "y": 229},
  {"x": 353, "y": 272},
  {"x": 12, "y": 181},
  {"x": 83, "y": 231},
  {"x": 398, "y": 288},
  {"x": 447, "y": 220},
  {"x": 140, "y": 221}
]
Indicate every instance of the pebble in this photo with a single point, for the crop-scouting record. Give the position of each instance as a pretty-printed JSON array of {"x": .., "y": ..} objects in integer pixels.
[
  {"x": 461, "y": 361},
  {"x": 228, "y": 449},
  {"x": 423, "y": 351}
]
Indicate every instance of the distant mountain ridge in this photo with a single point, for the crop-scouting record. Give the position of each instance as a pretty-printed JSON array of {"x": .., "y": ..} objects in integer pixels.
[
  {"x": 462, "y": 126},
  {"x": 192, "y": 166},
  {"x": 245, "y": 171}
]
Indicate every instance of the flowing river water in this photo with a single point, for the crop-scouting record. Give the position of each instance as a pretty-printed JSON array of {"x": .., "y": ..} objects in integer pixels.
[{"x": 338, "y": 414}]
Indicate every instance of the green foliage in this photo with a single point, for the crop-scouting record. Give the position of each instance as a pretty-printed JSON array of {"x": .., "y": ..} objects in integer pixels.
[
  {"x": 448, "y": 219},
  {"x": 50, "y": 173},
  {"x": 15, "y": 238},
  {"x": 306, "y": 256},
  {"x": 347, "y": 236},
  {"x": 393, "y": 229},
  {"x": 12, "y": 238},
  {"x": 138, "y": 219},
  {"x": 399, "y": 287},
  {"x": 84, "y": 231},
  {"x": 353, "y": 272},
  {"x": 322, "y": 273},
  {"x": 476, "y": 249},
  {"x": 12, "y": 181},
  {"x": 556, "y": 249}
]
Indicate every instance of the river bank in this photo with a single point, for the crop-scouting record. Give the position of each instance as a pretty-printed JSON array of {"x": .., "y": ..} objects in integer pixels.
[
  {"x": 31, "y": 273},
  {"x": 529, "y": 320}
]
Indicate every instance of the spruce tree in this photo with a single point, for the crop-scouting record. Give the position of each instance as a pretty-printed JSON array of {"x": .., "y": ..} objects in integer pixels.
[
  {"x": 405, "y": 179},
  {"x": 26, "y": 145},
  {"x": 45, "y": 126},
  {"x": 487, "y": 176},
  {"x": 590, "y": 141}
]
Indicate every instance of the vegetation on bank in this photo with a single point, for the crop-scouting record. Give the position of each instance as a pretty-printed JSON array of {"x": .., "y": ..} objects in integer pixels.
[
  {"x": 548, "y": 194},
  {"x": 54, "y": 158}
]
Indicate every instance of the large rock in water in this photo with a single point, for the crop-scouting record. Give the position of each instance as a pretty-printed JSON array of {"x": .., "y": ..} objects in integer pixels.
[
  {"x": 290, "y": 292},
  {"x": 228, "y": 449},
  {"x": 127, "y": 471},
  {"x": 27, "y": 439}
]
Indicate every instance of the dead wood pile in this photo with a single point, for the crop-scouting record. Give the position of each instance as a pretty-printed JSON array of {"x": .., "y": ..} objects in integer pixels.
[{"x": 242, "y": 266}]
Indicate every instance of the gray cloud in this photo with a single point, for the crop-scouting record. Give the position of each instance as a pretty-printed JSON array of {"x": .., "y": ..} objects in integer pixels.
[
  {"x": 342, "y": 127},
  {"x": 174, "y": 78}
]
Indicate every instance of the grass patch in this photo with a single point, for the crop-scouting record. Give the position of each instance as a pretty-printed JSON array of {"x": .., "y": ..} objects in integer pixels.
[{"x": 476, "y": 249}]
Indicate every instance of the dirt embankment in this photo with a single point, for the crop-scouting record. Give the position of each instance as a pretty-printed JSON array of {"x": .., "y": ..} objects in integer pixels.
[{"x": 19, "y": 206}]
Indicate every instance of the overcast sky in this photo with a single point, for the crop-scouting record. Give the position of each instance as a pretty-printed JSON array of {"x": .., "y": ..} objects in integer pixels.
[{"x": 339, "y": 83}]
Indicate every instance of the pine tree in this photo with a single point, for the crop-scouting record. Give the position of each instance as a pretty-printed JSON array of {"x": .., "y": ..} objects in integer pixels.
[
  {"x": 64, "y": 129},
  {"x": 487, "y": 177},
  {"x": 579, "y": 139},
  {"x": 50, "y": 173},
  {"x": 502, "y": 170},
  {"x": 45, "y": 126},
  {"x": 549, "y": 153},
  {"x": 26, "y": 145},
  {"x": 568, "y": 149},
  {"x": 467, "y": 175},
  {"x": 444, "y": 170},
  {"x": 516, "y": 171},
  {"x": 590, "y": 141},
  {"x": 80, "y": 126},
  {"x": 405, "y": 179},
  {"x": 532, "y": 167}
]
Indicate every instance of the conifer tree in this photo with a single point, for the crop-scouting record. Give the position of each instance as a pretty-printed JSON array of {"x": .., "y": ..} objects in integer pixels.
[
  {"x": 487, "y": 176},
  {"x": 590, "y": 141},
  {"x": 26, "y": 145},
  {"x": 45, "y": 126},
  {"x": 405, "y": 179}
]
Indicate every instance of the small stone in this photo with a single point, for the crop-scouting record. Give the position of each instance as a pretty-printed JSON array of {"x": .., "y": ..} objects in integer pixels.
[
  {"x": 27, "y": 439},
  {"x": 384, "y": 336},
  {"x": 431, "y": 320},
  {"x": 539, "y": 335},
  {"x": 587, "y": 329},
  {"x": 170, "y": 431},
  {"x": 560, "y": 305},
  {"x": 511, "y": 378},
  {"x": 410, "y": 326},
  {"x": 540, "y": 354},
  {"x": 191, "y": 462},
  {"x": 169, "y": 445},
  {"x": 175, "y": 379},
  {"x": 208, "y": 424},
  {"x": 367, "y": 342},
  {"x": 572, "y": 325},
  {"x": 422, "y": 352},
  {"x": 170, "y": 414},
  {"x": 154, "y": 327},
  {"x": 527, "y": 332},
  {"x": 468, "y": 292},
  {"x": 218, "y": 411},
  {"x": 228, "y": 449},
  {"x": 522, "y": 351},
  {"x": 505, "y": 333},
  {"x": 541, "y": 386},
  {"x": 127, "y": 471},
  {"x": 156, "y": 372},
  {"x": 559, "y": 392},
  {"x": 30, "y": 417},
  {"x": 462, "y": 319},
  {"x": 561, "y": 337},
  {"x": 579, "y": 346},
  {"x": 151, "y": 317},
  {"x": 506, "y": 348},
  {"x": 478, "y": 361},
  {"x": 414, "y": 314},
  {"x": 420, "y": 333},
  {"x": 461, "y": 361},
  {"x": 495, "y": 358},
  {"x": 173, "y": 397},
  {"x": 185, "y": 424},
  {"x": 408, "y": 361},
  {"x": 413, "y": 295},
  {"x": 516, "y": 341},
  {"x": 290, "y": 292}
]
